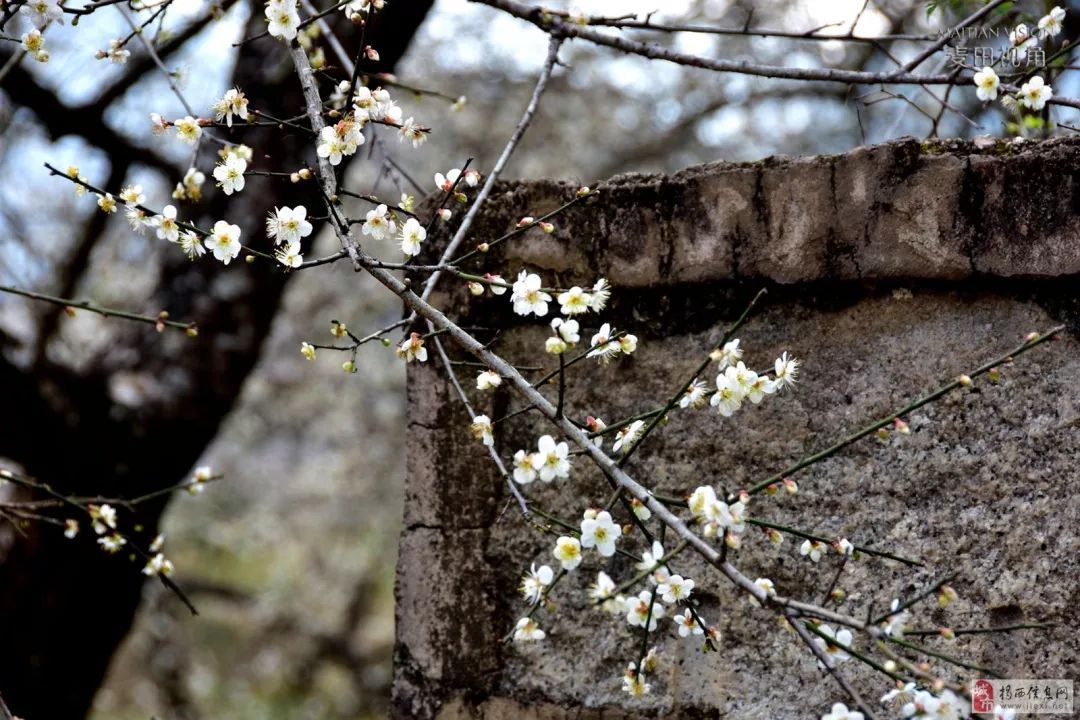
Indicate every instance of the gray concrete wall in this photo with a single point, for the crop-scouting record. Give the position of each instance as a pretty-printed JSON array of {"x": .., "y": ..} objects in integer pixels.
[{"x": 890, "y": 269}]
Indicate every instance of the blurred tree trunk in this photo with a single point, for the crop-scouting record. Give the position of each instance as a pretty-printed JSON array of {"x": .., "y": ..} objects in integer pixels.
[{"x": 65, "y": 605}]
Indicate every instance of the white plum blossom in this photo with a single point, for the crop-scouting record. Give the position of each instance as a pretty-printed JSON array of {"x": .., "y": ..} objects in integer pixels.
[
  {"x": 289, "y": 255},
  {"x": 288, "y": 225},
  {"x": 524, "y": 471},
  {"x": 844, "y": 547},
  {"x": 132, "y": 195},
  {"x": 188, "y": 129},
  {"x": 901, "y": 694},
  {"x": 813, "y": 549},
  {"x": 339, "y": 140},
  {"x": 158, "y": 565},
  {"x": 627, "y": 436},
  {"x": 283, "y": 21},
  {"x": 786, "y": 372},
  {"x": 687, "y": 624},
  {"x": 413, "y": 349},
  {"x": 1020, "y": 37},
  {"x": 34, "y": 44},
  {"x": 378, "y": 223},
  {"x": 1051, "y": 23},
  {"x": 727, "y": 355},
  {"x": 568, "y": 552},
  {"x": 190, "y": 188},
  {"x": 103, "y": 517},
  {"x": 701, "y": 498},
  {"x": 601, "y": 293},
  {"x": 574, "y": 301},
  {"x": 112, "y": 543},
  {"x": 650, "y": 562},
  {"x": 601, "y": 532},
  {"x": 842, "y": 636},
  {"x": 675, "y": 589},
  {"x": 117, "y": 54},
  {"x": 191, "y": 244},
  {"x": 840, "y": 712},
  {"x": 946, "y": 706},
  {"x": 487, "y": 380},
  {"x": 568, "y": 330},
  {"x": 527, "y": 630},
  {"x": 412, "y": 234},
  {"x": 535, "y": 582},
  {"x": 634, "y": 683},
  {"x": 551, "y": 459},
  {"x": 528, "y": 296},
  {"x": 232, "y": 103},
  {"x": 766, "y": 586},
  {"x": 42, "y": 12},
  {"x": 483, "y": 430},
  {"x": 411, "y": 130},
  {"x": 1034, "y": 93},
  {"x": 603, "y": 592},
  {"x": 446, "y": 182},
  {"x": 604, "y": 347},
  {"x": 986, "y": 84},
  {"x": 224, "y": 241},
  {"x": 167, "y": 228},
  {"x": 695, "y": 396},
  {"x": 230, "y": 173},
  {"x": 644, "y": 610},
  {"x": 895, "y": 622},
  {"x": 496, "y": 283}
]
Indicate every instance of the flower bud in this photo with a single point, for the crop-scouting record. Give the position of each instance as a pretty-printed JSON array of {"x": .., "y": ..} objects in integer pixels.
[
  {"x": 249, "y": 259},
  {"x": 476, "y": 288},
  {"x": 947, "y": 633},
  {"x": 772, "y": 489},
  {"x": 304, "y": 173},
  {"x": 192, "y": 331},
  {"x": 790, "y": 486},
  {"x": 964, "y": 380},
  {"x": 294, "y": 177},
  {"x": 583, "y": 191},
  {"x": 838, "y": 595},
  {"x": 901, "y": 426},
  {"x": 547, "y": 227},
  {"x": 483, "y": 247},
  {"x": 994, "y": 374},
  {"x": 348, "y": 366},
  {"x": 882, "y": 434},
  {"x": 527, "y": 220}
]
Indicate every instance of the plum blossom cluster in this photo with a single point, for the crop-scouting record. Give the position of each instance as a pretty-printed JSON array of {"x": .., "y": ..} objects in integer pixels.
[
  {"x": 717, "y": 517},
  {"x": 913, "y": 701},
  {"x": 665, "y": 594},
  {"x": 550, "y": 461},
  {"x": 1035, "y": 92},
  {"x": 737, "y": 384}
]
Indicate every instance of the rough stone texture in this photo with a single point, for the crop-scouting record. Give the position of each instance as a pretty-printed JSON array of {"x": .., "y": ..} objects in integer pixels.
[{"x": 890, "y": 269}]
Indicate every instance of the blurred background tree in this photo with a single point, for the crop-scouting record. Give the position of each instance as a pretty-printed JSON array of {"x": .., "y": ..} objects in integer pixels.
[{"x": 290, "y": 559}]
